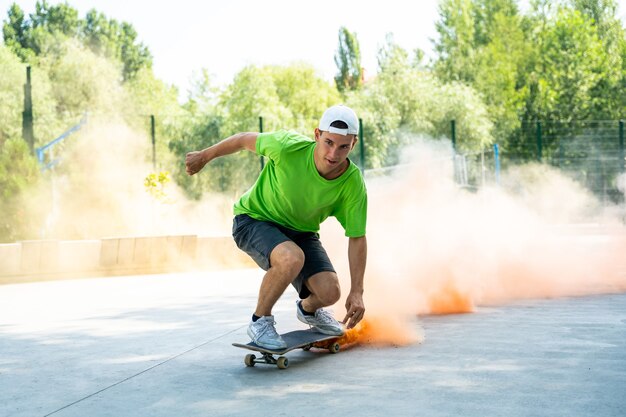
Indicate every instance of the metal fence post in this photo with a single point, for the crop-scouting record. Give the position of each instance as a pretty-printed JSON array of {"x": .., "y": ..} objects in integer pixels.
[
  {"x": 622, "y": 162},
  {"x": 496, "y": 157},
  {"x": 153, "y": 136},
  {"x": 361, "y": 145},
  {"x": 261, "y": 131},
  {"x": 539, "y": 142},
  {"x": 453, "y": 138},
  {"x": 453, "y": 134},
  {"x": 27, "y": 115}
]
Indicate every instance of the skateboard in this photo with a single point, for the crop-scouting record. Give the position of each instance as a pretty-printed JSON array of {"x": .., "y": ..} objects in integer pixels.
[{"x": 298, "y": 339}]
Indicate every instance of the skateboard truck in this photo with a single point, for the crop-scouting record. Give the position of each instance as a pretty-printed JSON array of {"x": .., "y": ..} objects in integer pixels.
[
  {"x": 282, "y": 362},
  {"x": 267, "y": 358}
]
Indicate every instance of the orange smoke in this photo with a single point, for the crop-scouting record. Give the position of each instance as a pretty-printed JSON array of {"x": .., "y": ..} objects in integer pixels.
[
  {"x": 380, "y": 331},
  {"x": 434, "y": 248},
  {"x": 449, "y": 300}
]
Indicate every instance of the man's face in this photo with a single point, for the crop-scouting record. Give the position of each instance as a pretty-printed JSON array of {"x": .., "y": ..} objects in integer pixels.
[{"x": 332, "y": 150}]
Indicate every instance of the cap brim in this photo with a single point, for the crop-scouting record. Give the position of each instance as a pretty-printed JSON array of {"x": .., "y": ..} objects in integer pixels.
[{"x": 337, "y": 130}]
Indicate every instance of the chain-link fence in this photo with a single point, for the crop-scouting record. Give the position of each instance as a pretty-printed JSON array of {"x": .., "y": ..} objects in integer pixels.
[{"x": 589, "y": 152}]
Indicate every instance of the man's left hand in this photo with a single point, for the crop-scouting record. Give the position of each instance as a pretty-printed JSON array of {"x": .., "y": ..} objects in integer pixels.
[{"x": 355, "y": 310}]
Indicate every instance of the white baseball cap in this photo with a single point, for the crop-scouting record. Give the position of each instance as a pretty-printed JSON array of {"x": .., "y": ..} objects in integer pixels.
[{"x": 340, "y": 113}]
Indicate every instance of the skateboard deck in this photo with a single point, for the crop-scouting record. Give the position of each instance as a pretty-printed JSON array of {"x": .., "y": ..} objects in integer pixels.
[{"x": 297, "y": 339}]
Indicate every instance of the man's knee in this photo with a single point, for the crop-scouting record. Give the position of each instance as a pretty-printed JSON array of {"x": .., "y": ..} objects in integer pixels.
[
  {"x": 331, "y": 295},
  {"x": 325, "y": 286},
  {"x": 287, "y": 257}
]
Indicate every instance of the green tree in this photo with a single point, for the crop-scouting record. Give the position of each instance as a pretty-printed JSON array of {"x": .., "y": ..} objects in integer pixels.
[
  {"x": 348, "y": 61},
  {"x": 563, "y": 60},
  {"x": 304, "y": 93},
  {"x": 148, "y": 95},
  {"x": 488, "y": 16},
  {"x": 83, "y": 81},
  {"x": 602, "y": 12},
  {"x": 18, "y": 174},
  {"x": 482, "y": 43},
  {"x": 203, "y": 95},
  {"x": 133, "y": 55},
  {"x": 603, "y": 16},
  {"x": 291, "y": 97},
  {"x": 15, "y": 32},
  {"x": 563, "y": 75},
  {"x": 199, "y": 126},
  {"x": 46, "y": 26},
  {"x": 47, "y": 121},
  {"x": 50, "y": 25},
  {"x": 198, "y": 130},
  {"x": 405, "y": 102},
  {"x": 11, "y": 94},
  {"x": 68, "y": 79},
  {"x": 566, "y": 68},
  {"x": 456, "y": 47},
  {"x": 116, "y": 40},
  {"x": 251, "y": 95},
  {"x": 500, "y": 66},
  {"x": 60, "y": 18}
]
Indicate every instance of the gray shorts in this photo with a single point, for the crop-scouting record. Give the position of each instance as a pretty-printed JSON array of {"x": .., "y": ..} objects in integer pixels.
[{"x": 259, "y": 238}]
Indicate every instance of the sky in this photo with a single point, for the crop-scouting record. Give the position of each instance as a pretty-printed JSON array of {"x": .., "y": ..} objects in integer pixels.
[
  {"x": 223, "y": 37},
  {"x": 186, "y": 36}
]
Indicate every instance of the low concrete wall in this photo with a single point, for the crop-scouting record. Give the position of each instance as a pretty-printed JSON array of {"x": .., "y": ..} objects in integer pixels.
[
  {"x": 56, "y": 259},
  {"x": 10, "y": 258}
]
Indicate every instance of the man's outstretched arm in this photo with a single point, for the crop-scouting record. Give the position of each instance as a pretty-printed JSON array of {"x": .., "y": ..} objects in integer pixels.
[
  {"x": 195, "y": 161},
  {"x": 357, "y": 257}
]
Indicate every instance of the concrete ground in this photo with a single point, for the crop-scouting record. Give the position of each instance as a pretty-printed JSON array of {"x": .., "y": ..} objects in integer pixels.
[{"x": 160, "y": 345}]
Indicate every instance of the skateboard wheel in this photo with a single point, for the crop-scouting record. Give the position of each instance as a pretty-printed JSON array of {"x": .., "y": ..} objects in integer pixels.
[
  {"x": 282, "y": 362},
  {"x": 249, "y": 359},
  {"x": 334, "y": 348}
]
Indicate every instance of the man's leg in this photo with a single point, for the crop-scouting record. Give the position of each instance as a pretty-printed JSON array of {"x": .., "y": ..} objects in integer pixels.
[
  {"x": 318, "y": 286},
  {"x": 325, "y": 291},
  {"x": 282, "y": 260},
  {"x": 286, "y": 261}
]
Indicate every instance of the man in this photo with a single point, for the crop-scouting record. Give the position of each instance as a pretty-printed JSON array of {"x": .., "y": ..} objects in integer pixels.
[{"x": 277, "y": 220}]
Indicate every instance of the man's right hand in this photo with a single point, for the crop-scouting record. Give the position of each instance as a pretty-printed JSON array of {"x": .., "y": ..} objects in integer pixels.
[{"x": 194, "y": 162}]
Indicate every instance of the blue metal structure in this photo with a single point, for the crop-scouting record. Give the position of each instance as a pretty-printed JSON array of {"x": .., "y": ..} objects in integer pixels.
[{"x": 41, "y": 151}]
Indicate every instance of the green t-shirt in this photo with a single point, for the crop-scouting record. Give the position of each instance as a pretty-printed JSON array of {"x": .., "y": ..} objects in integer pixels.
[{"x": 290, "y": 192}]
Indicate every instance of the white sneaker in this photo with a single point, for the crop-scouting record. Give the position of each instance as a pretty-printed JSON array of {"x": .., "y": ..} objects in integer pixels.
[
  {"x": 322, "y": 321},
  {"x": 263, "y": 333}
]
